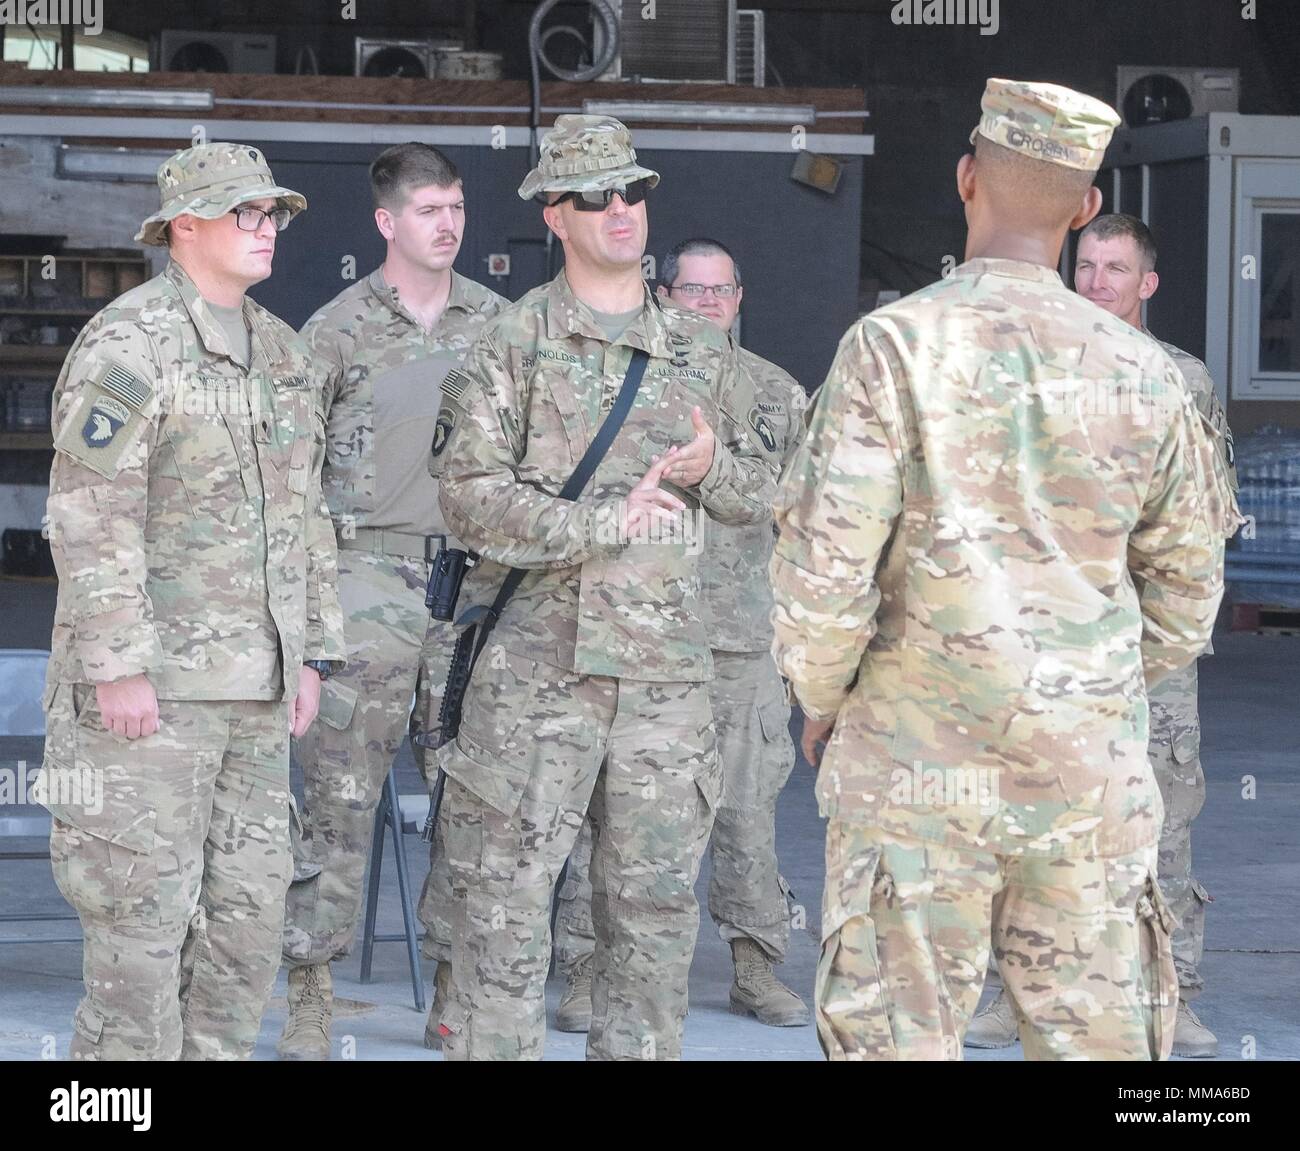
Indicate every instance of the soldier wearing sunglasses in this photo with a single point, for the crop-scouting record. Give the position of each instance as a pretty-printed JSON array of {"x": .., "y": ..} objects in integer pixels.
[{"x": 592, "y": 695}]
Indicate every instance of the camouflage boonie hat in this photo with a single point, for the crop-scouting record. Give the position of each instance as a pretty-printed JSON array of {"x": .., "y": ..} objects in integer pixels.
[
  {"x": 1047, "y": 122},
  {"x": 585, "y": 154},
  {"x": 209, "y": 180}
]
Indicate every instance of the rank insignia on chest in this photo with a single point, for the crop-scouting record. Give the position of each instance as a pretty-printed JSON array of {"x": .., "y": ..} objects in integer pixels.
[
  {"x": 442, "y": 431},
  {"x": 106, "y": 419},
  {"x": 762, "y": 426}
]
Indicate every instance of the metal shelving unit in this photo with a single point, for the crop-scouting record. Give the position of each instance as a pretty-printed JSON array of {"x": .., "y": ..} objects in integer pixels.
[{"x": 44, "y": 302}]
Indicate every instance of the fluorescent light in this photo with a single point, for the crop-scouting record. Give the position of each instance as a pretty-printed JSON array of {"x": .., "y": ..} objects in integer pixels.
[
  {"x": 700, "y": 113},
  {"x": 118, "y": 165},
  {"x": 187, "y": 98}
]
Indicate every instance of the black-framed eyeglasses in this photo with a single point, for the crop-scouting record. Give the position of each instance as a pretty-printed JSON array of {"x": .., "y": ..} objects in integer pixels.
[
  {"x": 248, "y": 218},
  {"x": 598, "y": 201},
  {"x": 694, "y": 291}
]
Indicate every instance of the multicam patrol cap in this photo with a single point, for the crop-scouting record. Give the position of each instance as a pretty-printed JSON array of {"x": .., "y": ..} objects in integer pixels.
[
  {"x": 585, "y": 154},
  {"x": 210, "y": 179},
  {"x": 1047, "y": 122}
]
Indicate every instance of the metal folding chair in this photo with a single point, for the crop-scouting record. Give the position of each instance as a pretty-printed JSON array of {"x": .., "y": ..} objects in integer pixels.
[{"x": 390, "y": 816}]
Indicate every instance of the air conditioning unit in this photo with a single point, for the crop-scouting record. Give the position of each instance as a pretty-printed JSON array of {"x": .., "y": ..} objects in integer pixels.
[
  {"x": 404, "y": 59},
  {"x": 687, "y": 40},
  {"x": 180, "y": 51},
  {"x": 1153, "y": 95},
  {"x": 751, "y": 51}
]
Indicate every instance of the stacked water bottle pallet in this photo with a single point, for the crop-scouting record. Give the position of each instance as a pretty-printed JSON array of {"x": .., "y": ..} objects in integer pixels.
[
  {"x": 1263, "y": 562},
  {"x": 1265, "y": 619}
]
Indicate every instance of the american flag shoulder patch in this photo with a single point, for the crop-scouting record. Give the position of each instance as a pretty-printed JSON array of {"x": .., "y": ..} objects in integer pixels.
[
  {"x": 126, "y": 386},
  {"x": 455, "y": 384}
]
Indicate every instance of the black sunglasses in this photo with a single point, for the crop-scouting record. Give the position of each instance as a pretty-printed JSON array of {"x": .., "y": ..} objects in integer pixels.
[{"x": 634, "y": 193}]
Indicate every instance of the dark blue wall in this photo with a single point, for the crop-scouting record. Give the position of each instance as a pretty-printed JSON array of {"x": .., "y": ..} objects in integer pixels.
[{"x": 798, "y": 248}]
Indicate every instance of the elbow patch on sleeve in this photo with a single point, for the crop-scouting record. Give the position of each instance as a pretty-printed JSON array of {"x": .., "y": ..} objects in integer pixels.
[{"x": 82, "y": 523}]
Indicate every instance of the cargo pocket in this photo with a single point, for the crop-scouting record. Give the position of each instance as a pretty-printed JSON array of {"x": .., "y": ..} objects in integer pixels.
[
  {"x": 338, "y": 703},
  {"x": 493, "y": 756},
  {"x": 105, "y": 865},
  {"x": 1187, "y": 743},
  {"x": 304, "y": 868},
  {"x": 453, "y": 1026},
  {"x": 853, "y": 1017},
  {"x": 304, "y": 440},
  {"x": 88, "y": 1025},
  {"x": 778, "y": 747},
  {"x": 103, "y": 840},
  {"x": 1157, "y": 924}
]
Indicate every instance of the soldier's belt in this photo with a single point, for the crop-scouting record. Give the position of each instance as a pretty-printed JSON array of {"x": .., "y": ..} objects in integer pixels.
[{"x": 387, "y": 543}]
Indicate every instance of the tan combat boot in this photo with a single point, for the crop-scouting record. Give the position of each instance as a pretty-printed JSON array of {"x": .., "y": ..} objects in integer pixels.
[
  {"x": 758, "y": 992},
  {"x": 996, "y": 1025},
  {"x": 574, "y": 1012},
  {"x": 441, "y": 991},
  {"x": 1192, "y": 1039},
  {"x": 306, "y": 1032}
]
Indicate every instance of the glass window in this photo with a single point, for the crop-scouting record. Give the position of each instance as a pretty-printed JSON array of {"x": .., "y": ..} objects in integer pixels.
[{"x": 1279, "y": 292}]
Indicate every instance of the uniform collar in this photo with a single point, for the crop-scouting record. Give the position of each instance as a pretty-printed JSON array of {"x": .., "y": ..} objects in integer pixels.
[
  {"x": 459, "y": 298},
  {"x": 211, "y": 334},
  {"x": 566, "y": 315},
  {"x": 1016, "y": 269}
]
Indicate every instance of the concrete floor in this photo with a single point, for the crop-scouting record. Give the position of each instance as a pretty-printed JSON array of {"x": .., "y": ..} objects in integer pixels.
[{"x": 1246, "y": 849}]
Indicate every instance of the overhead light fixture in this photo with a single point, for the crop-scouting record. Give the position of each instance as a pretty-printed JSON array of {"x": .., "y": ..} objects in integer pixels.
[
  {"x": 693, "y": 112},
  {"x": 116, "y": 165},
  {"x": 188, "y": 99}
]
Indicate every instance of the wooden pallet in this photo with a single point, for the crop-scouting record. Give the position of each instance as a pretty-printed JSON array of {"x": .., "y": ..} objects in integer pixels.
[{"x": 1265, "y": 619}]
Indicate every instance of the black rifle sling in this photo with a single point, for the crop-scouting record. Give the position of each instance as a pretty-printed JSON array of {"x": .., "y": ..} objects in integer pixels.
[
  {"x": 484, "y": 619},
  {"x": 575, "y": 484}
]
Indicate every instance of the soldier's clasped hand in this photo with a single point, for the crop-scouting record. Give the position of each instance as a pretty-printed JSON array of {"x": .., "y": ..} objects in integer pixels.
[
  {"x": 648, "y": 503},
  {"x": 688, "y": 465}
]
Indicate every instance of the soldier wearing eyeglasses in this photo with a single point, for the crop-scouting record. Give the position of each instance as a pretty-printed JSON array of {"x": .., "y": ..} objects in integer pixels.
[
  {"x": 747, "y": 896},
  {"x": 197, "y": 609},
  {"x": 592, "y": 694}
]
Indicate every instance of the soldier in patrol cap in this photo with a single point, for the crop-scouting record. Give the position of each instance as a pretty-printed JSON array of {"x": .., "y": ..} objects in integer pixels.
[
  {"x": 197, "y": 609},
  {"x": 747, "y": 896},
  {"x": 384, "y": 346},
  {"x": 1001, "y": 528},
  {"x": 592, "y": 693},
  {"x": 1116, "y": 269}
]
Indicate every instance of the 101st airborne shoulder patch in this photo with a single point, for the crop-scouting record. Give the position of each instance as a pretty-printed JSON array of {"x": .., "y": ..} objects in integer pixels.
[
  {"x": 107, "y": 421},
  {"x": 442, "y": 431},
  {"x": 763, "y": 427}
]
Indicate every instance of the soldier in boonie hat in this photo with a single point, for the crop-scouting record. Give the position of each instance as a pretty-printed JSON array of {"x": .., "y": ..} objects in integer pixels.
[
  {"x": 585, "y": 154},
  {"x": 1047, "y": 122},
  {"x": 208, "y": 181}
]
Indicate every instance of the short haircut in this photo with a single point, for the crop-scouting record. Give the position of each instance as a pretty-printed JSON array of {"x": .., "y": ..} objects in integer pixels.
[
  {"x": 1119, "y": 224},
  {"x": 700, "y": 246},
  {"x": 1037, "y": 194},
  {"x": 396, "y": 170}
]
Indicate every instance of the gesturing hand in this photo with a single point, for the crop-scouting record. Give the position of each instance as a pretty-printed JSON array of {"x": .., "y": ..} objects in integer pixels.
[
  {"x": 648, "y": 503},
  {"x": 688, "y": 465}
]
